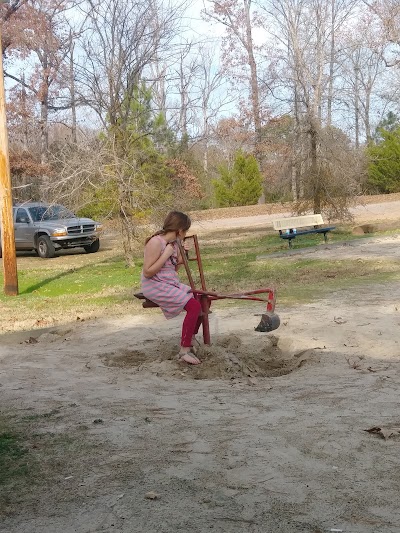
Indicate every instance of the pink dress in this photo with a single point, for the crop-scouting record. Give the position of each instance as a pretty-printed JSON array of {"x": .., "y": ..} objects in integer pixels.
[{"x": 164, "y": 288}]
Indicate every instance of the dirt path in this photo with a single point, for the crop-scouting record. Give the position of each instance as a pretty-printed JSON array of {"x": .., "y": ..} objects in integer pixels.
[
  {"x": 375, "y": 248},
  {"x": 368, "y": 213},
  {"x": 267, "y": 436}
]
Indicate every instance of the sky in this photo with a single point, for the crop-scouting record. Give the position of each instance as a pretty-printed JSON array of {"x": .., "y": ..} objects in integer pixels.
[{"x": 197, "y": 29}]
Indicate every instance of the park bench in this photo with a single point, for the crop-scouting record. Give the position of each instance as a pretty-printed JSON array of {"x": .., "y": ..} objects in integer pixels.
[{"x": 291, "y": 227}]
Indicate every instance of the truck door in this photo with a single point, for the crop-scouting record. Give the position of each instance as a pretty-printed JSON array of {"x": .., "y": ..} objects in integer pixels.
[{"x": 23, "y": 230}]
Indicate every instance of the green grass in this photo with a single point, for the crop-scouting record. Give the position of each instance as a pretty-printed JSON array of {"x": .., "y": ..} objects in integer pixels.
[
  {"x": 13, "y": 461},
  {"x": 89, "y": 280},
  {"x": 38, "y": 416},
  {"x": 85, "y": 289},
  {"x": 258, "y": 262},
  {"x": 231, "y": 261},
  {"x": 35, "y": 454}
]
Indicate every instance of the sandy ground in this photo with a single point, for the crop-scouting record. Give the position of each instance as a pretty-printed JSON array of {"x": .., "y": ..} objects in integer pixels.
[{"x": 268, "y": 435}]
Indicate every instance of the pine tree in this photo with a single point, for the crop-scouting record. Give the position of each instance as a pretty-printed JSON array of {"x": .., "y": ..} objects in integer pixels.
[
  {"x": 241, "y": 185},
  {"x": 390, "y": 123},
  {"x": 384, "y": 165}
]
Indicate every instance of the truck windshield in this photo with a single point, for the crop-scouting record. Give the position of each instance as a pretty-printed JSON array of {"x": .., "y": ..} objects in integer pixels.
[{"x": 53, "y": 212}]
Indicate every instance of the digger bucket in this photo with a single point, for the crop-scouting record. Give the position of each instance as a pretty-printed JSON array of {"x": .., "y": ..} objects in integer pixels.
[{"x": 268, "y": 322}]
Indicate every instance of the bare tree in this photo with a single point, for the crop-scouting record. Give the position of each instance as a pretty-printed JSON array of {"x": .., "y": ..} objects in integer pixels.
[
  {"x": 307, "y": 45},
  {"x": 185, "y": 74},
  {"x": 12, "y": 19},
  {"x": 46, "y": 39},
  {"x": 388, "y": 15},
  {"x": 121, "y": 40},
  {"x": 362, "y": 70},
  {"x": 239, "y": 21},
  {"x": 340, "y": 12},
  {"x": 212, "y": 99},
  {"x": 72, "y": 87}
]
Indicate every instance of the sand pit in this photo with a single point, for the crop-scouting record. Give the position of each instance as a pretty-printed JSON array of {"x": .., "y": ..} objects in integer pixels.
[
  {"x": 229, "y": 357},
  {"x": 269, "y": 434}
]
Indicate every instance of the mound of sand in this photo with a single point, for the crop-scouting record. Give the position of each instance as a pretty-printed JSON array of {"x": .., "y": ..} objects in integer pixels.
[{"x": 229, "y": 357}]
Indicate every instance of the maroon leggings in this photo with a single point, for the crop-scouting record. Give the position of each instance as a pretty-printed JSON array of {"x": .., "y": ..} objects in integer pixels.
[{"x": 192, "y": 322}]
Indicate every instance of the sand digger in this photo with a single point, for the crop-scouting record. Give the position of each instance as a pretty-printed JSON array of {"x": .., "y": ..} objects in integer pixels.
[{"x": 269, "y": 320}]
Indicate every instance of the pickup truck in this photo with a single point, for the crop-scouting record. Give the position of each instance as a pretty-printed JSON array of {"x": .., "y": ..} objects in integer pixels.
[{"x": 47, "y": 228}]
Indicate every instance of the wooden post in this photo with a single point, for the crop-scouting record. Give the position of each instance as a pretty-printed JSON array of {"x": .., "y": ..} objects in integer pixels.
[{"x": 7, "y": 226}]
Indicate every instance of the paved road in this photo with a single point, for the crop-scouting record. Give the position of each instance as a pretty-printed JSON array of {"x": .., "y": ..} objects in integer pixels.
[{"x": 387, "y": 211}]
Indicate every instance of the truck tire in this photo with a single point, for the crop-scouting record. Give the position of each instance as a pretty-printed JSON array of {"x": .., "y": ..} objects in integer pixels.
[
  {"x": 92, "y": 248},
  {"x": 45, "y": 248}
]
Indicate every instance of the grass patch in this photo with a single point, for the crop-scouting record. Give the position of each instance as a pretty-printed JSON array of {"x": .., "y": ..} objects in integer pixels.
[
  {"x": 231, "y": 264},
  {"x": 17, "y": 465},
  {"x": 106, "y": 286},
  {"x": 297, "y": 280},
  {"x": 38, "y": 416},
  {"x": 13, "y": 461},
  {"x": 61, "y": 295},
  {"x": 36, "y": 454},
  {"x": 89, "y": 280}
]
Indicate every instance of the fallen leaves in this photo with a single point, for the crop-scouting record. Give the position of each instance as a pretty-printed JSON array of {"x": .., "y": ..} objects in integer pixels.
[
  {"x": 32, "y": 340},
  {"x": 356, "y": 365},
  {"x": 387, "y": 432}
]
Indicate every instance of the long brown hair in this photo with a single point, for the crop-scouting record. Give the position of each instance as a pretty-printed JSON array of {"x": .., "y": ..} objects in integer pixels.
[{"x": 174, "y": 221}]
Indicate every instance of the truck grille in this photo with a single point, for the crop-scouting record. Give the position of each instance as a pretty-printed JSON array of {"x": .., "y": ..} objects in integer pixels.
[{"x": 81, "y": 230}]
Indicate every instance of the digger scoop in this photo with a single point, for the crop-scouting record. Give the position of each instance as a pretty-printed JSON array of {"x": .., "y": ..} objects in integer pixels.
[{"x": 268, "y": 322}]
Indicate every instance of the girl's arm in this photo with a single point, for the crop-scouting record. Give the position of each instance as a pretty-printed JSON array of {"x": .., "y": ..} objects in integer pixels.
[{"x": 154, "y": 259}]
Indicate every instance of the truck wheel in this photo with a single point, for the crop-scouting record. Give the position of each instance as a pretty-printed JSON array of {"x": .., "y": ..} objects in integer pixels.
[
  {"x": 45, "y": 248},
  {"x": 92, "y": 248}
]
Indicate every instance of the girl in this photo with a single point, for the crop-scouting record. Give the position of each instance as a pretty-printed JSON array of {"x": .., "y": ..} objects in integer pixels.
[{"x": 161, "y": 285}]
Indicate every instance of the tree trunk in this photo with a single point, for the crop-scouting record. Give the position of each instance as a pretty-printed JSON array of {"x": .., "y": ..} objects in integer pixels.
[
  {"x": 331, "y": 65},
  {"x": 255, "y": 98},
  {"x": 315, "y": 175},
  {"x": 25, "y": 129},
  {"x": 367, "y": 116},
  {"x": 356, "y": 107},
  {"x": 183, "y": 126},
  {"x": 296, "y": 150},
  {"x": 205, "y": 131},
  {"x": 44, "y": 130},
  {"x": 294, "y": 182},
  {"x": 205, "y": 157},
  {"x": 44, "y": 112},
  {"x": 126, "y": 224},
  {"x": 72, "y": 92}
]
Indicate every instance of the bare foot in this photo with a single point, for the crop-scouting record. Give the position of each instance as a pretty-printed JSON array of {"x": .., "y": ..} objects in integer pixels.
[{"x": 190, "y": 359}]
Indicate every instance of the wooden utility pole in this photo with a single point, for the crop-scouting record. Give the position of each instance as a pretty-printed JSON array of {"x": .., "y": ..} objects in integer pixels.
[{"x": 7, "y": 227}]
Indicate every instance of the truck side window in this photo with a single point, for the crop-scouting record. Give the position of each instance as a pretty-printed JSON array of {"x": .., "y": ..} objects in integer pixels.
[{"x": 22, "y": 216}]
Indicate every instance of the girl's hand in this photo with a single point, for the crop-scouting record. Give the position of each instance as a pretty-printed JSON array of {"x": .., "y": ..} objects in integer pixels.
[
  {"x": 187, "y": 245},
  {"x": 169, "y": 250}
]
